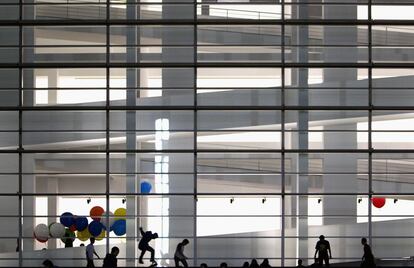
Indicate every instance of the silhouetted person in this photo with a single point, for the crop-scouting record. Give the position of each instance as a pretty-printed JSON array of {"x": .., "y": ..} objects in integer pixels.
[
  {"x": 368, "y": 260},
  {"x": 90, "y": 251},
  {"x": 68, "y": 241},
  {"x": 254, "y": 264},
  {"x": 265, "y": 264},
  {"x": 203, "y": 265},
  {"x": 48, "y": 264},
  {"x": 300, "y": 263},
  {"x": 323, "y": 248},
  {"x": 246, "y": 264},
  {"x": 110, "y": 260},
  {"x": 82, "y": 245},
  {"x": 223, "y": 265},
  {"x": 144, "y": 246},
  {"x": 179, "y": 254}
]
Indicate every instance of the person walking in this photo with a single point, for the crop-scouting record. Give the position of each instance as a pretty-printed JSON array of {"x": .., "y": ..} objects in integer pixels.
[
  {"x": 90, "y": 251},
  {"x": 110, "y": 260},
  {"x": 179, "y": 254},
  {"x": 368, "y": 260}
]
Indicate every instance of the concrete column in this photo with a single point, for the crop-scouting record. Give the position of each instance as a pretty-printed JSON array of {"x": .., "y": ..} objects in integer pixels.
[
  {"x": 52, "y": 81},
  {"x": 346, "y": 163},
  {"x": 339, "y": 36},
  {"x": 52, "y": 207},
  {"x": 29, "y": 55},
  {"x": 133, "y": 81},
  {"x": 176, "y": 78},
  {"x": 28, "y": 186},
  {"x": 300, "y": 79},
  {"x": 340, "y": 77}
]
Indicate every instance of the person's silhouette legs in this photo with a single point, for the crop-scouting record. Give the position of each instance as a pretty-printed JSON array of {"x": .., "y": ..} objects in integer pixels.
[
  {"x": 184, "y": 263},
  {"x": 142, "y": 255},
  {"x": 323, "y": 259},
  {"x": 178, "y": 260},
  {"x": 150, "y": 249}
]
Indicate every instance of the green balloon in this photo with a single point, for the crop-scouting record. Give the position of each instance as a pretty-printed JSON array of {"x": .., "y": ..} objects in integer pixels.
[{"x": 68, "y": 235}]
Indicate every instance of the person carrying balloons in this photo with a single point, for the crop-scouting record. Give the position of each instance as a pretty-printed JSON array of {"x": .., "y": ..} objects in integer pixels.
[
  {"x": 144, "y": 245},
  {"x": 90, "y": 251}
]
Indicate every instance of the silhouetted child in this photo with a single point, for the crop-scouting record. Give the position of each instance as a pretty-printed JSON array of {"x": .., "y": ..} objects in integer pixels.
[
  {"x": 223, "y": 265},
  {"x": 265, "y": 264},
  {"x": 179, "y": 254},
  {"x": 203, "y": 265},
  {"x": 246, "y": 264},
  {"x": 144, "y": 246},
  {"x": 48, "y": 264},
  {"x": 68, "y": 240},
  {"x": 254, "y": 264},
  {"x": 323, "y": 248},
  {"x": 368, "y": 259},
  {"x": 110, "y": 260},
  {"x": 90, "y": 251},
  {"x": 300, "y": 263}
]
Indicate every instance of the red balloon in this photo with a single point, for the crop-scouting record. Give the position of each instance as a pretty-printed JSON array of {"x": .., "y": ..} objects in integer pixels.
[
  {"x": 96, "y": 213},
  {"x": 378, "y": 202},
  {"x": 39, "y": 240},
  {"x": 72, "y": 228}
]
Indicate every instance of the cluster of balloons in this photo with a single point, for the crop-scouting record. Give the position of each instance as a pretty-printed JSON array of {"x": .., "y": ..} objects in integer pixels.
[{"x": 69, "y": 224}]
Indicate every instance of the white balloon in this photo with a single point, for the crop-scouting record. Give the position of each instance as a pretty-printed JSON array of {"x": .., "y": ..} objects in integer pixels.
[
  {"x": 41, "y": 232},
  {"x": 111, "y": 218},
  {"x": 57, "y": 230}
]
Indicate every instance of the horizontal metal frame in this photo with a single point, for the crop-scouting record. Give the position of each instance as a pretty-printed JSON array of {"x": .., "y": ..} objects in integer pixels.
[
  {"x": 200, "y": 21},
  {"x": 218, "y": 151},
  {"x": 339, "y": 3},
  {"x": 174, "y": 108},
  {"x": 258, "y": 65},
  {"x": 201, "y": 194},
  {"x": 225, "y": 216},
  {"x": 250, "y": 45},
  {"x": 264, "y": 2}
]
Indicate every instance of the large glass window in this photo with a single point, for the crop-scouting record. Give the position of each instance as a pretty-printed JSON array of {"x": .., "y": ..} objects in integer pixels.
[{"x": 248, "y": 127}]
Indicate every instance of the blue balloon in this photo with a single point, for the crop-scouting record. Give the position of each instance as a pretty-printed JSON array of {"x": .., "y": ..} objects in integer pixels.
[
  {"x": 67, "y": 219},
  {"x": 119, "y": 227},
  {"x": 81, "y": 223},
  {"x": 95, "y": 228},
  {"x": 146, "y": 187}
]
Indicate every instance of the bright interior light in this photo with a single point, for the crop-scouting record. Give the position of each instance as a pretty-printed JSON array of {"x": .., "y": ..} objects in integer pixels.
[
  {"x": 400, "y": 208},
  {"x": 315, "y": 209},
  {"x": 220, "y": 225}
]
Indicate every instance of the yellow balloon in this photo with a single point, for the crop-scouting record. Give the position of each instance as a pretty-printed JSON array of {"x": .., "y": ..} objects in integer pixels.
[
  {"x": 83, "y": 235},
  {"x": 101, "y": 236},
  {"x": 120, "y": 214}
]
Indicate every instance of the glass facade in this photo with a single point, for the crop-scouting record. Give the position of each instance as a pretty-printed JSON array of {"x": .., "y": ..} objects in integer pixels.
[{"x": 248, "y": 127}]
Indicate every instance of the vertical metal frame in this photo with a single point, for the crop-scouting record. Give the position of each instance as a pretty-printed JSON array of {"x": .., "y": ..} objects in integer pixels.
[
  {"x": 195, "y": 133},
  {"x": 370, "y": 105},
  {"x": 20, "y": 149},
  {"x": 283, "y": 156},
  {"x": 107, "y": 120}
]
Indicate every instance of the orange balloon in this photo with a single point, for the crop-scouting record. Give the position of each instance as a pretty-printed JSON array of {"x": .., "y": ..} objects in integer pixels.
[{"x": 96, "y": 213}]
